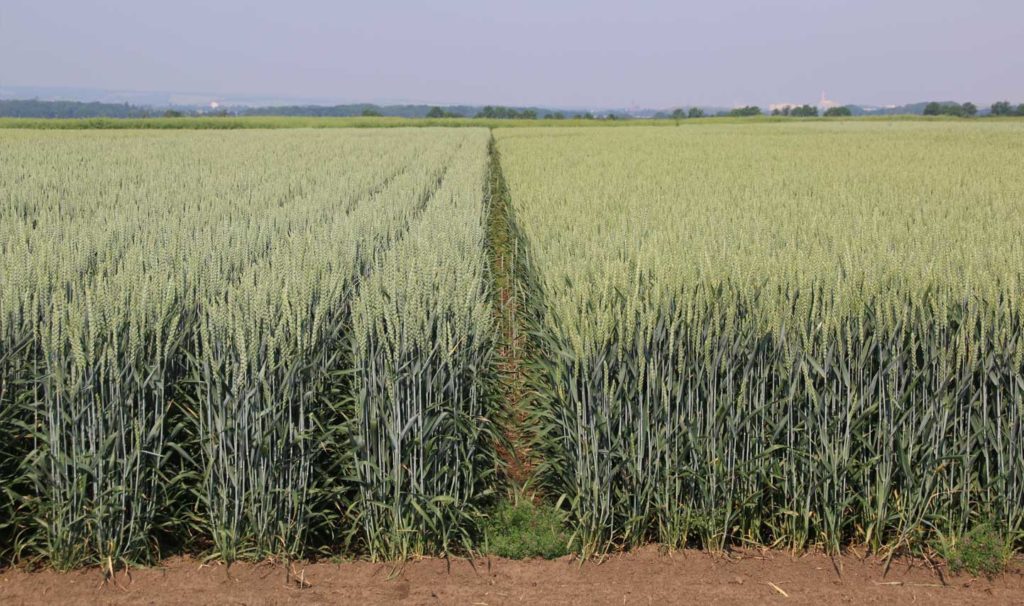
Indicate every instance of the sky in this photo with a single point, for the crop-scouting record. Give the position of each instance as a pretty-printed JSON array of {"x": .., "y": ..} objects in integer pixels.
[{"x": 569, "y": 53}]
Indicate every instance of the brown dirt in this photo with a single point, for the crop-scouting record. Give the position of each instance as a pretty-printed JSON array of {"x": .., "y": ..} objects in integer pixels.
[
  {"x": 640, "y": 577},
  {"x": 518, "y": 461},
  {"x": 511, "y": 346}
]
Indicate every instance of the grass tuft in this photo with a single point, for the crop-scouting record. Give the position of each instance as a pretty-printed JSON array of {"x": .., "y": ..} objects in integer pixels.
[
  {"x": 524, "y": 530},
  {"x": 981, "y": 551}
]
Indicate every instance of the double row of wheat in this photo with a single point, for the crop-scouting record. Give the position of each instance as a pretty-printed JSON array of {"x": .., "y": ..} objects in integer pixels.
[
  {"x": 243, "y": 343},
  {"x": 778, "y": 334}
]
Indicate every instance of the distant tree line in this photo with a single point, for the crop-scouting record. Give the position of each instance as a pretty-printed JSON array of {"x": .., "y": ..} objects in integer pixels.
[
  {"x": 437, "y": 112},
  {"x": 835, "y": 112},
  {"x": 680, "y": 114},
  {"x": 1003, "y": 108},
  {"x": 34, "y": 108},
  {"x": 802, "y": 111},
  {"x": 354, "y": 109},
  {"x": 739, "y": 112},
  {"x": 967, "y": 110},
  {"x": 499, "y": 112}
]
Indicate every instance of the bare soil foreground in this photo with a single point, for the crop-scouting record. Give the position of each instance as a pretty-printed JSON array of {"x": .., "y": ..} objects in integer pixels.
[{"x": 640, "y": 577}]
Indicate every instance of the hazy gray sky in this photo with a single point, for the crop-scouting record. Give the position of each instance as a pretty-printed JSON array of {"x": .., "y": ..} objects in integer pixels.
[{"x": 651, "y": 53}]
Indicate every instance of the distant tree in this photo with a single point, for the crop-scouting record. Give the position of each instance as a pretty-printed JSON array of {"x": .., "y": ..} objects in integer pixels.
[
  {"x": 173, "y": 113},
  {"x": 1020, "y": 110},
  {"x": 834, "y": 112},
  {"x": 497, "y": 112},
  {"x": 369, "y": 112},
  {"x": 611, "y": 116},
  {"x": 678, "y": 114},
  {"x": 554, "y": 116},
  {"x": 585, "y": 116},
  {"x": 949, "y": 109},
  {"x": 695, "y": 112},
  {"x": 1001, "y": 108},
  {"x": 804, "y": 111},
  {"x": 750, "y": 110},
  {"x": 435, "y": 112}
]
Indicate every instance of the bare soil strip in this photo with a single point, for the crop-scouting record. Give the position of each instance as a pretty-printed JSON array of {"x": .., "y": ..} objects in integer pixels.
[
  {"x": 512, "y": 335},
  {"x": 640, "y": 577}
]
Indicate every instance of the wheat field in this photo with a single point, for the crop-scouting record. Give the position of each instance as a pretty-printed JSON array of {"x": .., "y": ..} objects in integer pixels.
[
  {"x": 262, "y": 343},
  {"x": 783, "y": 334},
  {"x": 192, "y": 327}
]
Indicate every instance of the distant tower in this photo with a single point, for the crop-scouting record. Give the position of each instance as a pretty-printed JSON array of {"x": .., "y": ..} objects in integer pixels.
[{"x": 825, "y": 102}]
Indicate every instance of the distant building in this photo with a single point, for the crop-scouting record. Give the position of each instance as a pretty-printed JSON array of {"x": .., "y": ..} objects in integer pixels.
[{"x": 825, "y": 103}]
